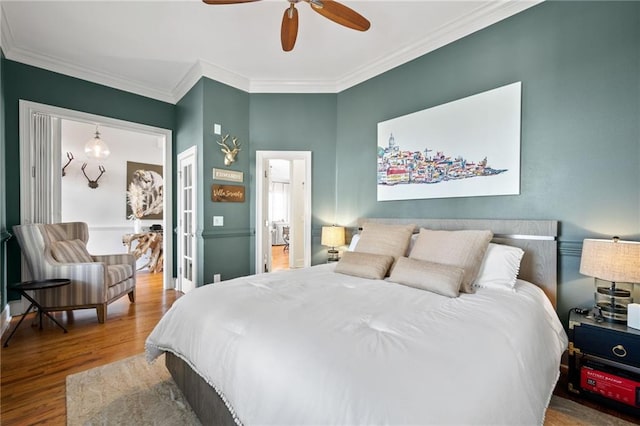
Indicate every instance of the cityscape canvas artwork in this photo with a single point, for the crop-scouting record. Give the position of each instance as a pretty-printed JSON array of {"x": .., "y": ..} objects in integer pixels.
[{"x": 466, "y": 148}]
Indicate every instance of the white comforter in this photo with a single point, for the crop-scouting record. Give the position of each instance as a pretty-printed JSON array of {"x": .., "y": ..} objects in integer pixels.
[{"x": 316, "y": 347}]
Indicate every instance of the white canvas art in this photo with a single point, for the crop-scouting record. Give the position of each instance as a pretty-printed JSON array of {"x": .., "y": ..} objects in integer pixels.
[{"x": 466, "y": 148}]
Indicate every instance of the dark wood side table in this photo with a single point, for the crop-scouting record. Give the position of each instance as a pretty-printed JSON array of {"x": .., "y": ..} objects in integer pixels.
[
  {"x": 610, "y": 355},
  {"x": 22, "y": 288}
]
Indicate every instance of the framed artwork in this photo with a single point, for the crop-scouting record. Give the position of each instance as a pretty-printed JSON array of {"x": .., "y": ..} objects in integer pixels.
[
  {"x": 144, "y": 191},
  {"x": 466, "y": 148}
]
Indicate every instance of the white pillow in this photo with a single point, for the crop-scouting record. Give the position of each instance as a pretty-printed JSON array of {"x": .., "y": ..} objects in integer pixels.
[
  {"x": 354, "y": 242},
  {"x": 500, "y": 267}
]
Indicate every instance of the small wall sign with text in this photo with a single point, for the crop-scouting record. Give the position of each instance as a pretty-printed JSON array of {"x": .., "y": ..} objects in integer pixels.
[
  {"x": 227, "y": 193},
  {"x": 228, "y": 175}
]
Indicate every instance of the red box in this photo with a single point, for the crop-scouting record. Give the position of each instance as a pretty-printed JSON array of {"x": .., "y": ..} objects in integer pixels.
[{"x": 621, "y": 389}]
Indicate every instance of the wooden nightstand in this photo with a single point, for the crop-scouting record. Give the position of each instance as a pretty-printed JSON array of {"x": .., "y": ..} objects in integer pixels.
[{"x": 604, "y": 363}]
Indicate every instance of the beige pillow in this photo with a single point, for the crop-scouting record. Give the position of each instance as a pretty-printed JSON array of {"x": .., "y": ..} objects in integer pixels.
[
  {"x": 430, "y": 276},
  {"x": 364, "y": 265},
  {"x": 464, "y": 249},
  {"x": 70, "y": 251},
  {"x": 390, "y": 240}
]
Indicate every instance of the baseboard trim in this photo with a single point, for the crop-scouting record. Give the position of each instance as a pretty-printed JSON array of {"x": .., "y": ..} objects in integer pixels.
[{"x": 5, "y": 319}]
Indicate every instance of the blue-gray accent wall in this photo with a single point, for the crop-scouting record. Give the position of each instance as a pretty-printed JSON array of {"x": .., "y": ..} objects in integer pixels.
[
  {"x": 579, "y": 63},
  {"x": 299, "y": 122},
  {"x": 4, "y": 234},
  {"x": 38, "y": 85}
]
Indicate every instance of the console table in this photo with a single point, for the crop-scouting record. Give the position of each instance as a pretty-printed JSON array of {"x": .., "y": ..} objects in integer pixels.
[{"x": 26, "y": 286}]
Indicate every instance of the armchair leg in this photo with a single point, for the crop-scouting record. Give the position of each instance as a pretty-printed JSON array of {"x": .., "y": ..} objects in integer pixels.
[
  {"x": 102, "y": 313},
  {"x": 132, "y": 296}
]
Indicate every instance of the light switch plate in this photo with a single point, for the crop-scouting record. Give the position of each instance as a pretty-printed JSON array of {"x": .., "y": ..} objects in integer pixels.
[
  {"x": 217, "y": 129},
  {"x": 218, "y": 221}
]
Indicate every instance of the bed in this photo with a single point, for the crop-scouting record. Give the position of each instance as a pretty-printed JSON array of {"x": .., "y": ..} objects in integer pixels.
[{"x": 325, "y": 346}]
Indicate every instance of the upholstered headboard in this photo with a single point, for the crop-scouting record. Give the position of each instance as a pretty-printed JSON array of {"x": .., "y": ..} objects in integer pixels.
[{"x": 538, "y": 239}]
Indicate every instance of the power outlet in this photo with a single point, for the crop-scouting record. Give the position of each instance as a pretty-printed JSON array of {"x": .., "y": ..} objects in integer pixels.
[
  {"x": 216, "y": 278},
  {"x": 218, "y": 221}
]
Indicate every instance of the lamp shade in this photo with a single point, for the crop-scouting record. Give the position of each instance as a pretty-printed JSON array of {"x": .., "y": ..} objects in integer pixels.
[
  {"x": 332, "y": 236},
  {"x": 611, "y": 260}
]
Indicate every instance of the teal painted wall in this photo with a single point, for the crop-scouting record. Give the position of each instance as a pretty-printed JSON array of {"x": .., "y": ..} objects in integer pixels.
[
  {"x": 299, "y": 122},
  {"x": 226, "y": 248},
  {"x": 189, "y": 127},
  {"x": 579, "y": 63},
  {"x": 38, "y": 85},
  {"x": 3, "y": 204}
]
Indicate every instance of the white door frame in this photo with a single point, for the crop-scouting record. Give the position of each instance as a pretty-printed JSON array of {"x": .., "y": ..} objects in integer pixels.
[
  {"x": 262, "y": 217},
  {"x": 181, "y": 284},
  {"x": 27, "y": 108}
]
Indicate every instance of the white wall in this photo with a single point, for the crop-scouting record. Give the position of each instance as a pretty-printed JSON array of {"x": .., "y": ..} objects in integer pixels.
[{"x": 103, "y": 208}]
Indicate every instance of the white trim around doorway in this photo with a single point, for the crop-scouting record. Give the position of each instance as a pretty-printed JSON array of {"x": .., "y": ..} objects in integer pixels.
[
  {"x": 261, "y": 218},
  {"x": 27, "y": 108}
]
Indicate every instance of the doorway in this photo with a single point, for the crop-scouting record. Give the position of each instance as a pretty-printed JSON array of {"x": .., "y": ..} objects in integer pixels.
[
  {"x": 49, "y": 125},
  {"x": 283, "y": 208},
  {"x": 187, "y": 220}
]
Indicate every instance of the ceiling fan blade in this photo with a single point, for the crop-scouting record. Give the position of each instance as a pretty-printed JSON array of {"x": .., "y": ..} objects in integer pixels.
[
  {"x": 341, "y": 14},
  {"x": 228, "y": 1},
  {"x": 289, "y": 30}
]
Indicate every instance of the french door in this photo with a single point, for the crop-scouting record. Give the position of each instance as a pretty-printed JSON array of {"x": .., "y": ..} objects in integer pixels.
[{"x": 187, "y": 220}]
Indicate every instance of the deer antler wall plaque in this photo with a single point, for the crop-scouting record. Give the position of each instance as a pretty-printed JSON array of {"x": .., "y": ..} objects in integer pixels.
[
  {"x": 93, "y": 184},
  {"x": 70, "y": 157},
  {"x": 229, "y": 153}
]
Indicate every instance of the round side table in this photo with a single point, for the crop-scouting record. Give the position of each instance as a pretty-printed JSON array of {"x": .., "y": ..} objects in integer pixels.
[{"x": 22, "y": 288}]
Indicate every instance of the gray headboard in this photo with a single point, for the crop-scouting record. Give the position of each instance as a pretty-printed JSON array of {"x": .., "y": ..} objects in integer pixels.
[{"x": 538, "y": 239}]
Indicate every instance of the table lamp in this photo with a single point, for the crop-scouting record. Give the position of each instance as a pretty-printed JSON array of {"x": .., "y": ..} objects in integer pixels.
[
  {"x": 615, "y": 261},
  {"x": 332, "y": 236}
]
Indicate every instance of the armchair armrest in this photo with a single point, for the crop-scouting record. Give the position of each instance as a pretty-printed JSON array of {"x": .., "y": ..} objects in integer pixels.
[
  {"x": 116, "y": 259},
  {"x": 88, "y": 284}
]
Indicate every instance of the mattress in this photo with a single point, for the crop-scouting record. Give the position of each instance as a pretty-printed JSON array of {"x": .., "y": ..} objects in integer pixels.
[{"x": 313, "y": 346}]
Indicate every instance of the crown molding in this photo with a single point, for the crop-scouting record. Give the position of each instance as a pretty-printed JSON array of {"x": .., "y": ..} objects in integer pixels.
[
  {"x": 482, "y": 17},
  {"x": 87, "y": 74}
]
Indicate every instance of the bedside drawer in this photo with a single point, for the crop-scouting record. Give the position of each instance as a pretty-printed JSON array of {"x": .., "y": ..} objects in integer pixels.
[{"x": 608, "y": 344}]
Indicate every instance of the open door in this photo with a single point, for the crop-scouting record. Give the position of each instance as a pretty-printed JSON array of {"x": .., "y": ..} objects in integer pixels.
[
  {"x": 266, "y": 224},
  {"x": 300, "y": 226},
  {"x": 187, "y": 220},
  {"x": 297, "y": 215}
]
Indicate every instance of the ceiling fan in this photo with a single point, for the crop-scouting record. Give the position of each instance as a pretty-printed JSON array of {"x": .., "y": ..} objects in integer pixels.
[{"x": 330, "y": 9}]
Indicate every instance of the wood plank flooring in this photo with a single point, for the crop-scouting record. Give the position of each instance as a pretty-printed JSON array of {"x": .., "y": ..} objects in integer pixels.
[
  {"x": 279, "y": 258},
  {"x": 36, "y": 362}
]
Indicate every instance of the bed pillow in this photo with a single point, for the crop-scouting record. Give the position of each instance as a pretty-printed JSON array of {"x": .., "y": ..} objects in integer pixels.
[
  {"x": 464, "y": 249},
  {"x": 364, "y": 265},
  {"x": 391, "y": 240},
  {"x": 434, "y": 277},
  {"x": 354, "y": 242},
  {"x": 500, "y": 267},
  {"x": 70, "y": 251}
]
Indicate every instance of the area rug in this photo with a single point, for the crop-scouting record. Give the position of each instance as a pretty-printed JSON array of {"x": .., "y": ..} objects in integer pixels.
[{"x": 132, "y": 392}]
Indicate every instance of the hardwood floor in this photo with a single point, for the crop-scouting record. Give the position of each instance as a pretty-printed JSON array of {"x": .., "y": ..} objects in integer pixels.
[
  {"x": 279, "y": 258},
  {"x": 36, "y": 362}
]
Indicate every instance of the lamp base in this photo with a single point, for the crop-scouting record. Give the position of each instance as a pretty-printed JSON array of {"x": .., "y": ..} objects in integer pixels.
[{"x": 333, "y": 255}]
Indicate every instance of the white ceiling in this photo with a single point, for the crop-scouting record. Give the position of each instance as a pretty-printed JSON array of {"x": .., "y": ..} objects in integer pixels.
[{"x": 161, "y": 48}]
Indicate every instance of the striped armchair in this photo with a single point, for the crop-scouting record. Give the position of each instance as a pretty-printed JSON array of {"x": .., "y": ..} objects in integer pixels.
[{"x": 59, "y": 251}]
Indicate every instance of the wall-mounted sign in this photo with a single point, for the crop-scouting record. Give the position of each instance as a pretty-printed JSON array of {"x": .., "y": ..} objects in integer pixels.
[
  {"x": 227, "y": 193},
  {"x": 228, "y": 175}
]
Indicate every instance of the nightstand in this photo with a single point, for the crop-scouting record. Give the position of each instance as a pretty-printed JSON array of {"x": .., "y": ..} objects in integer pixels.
[{"x": 604, "y": 363}]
